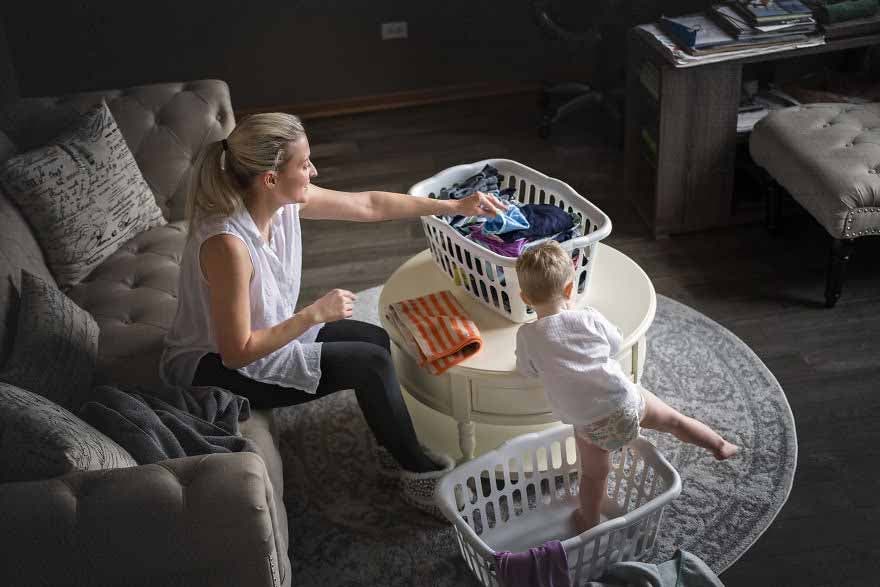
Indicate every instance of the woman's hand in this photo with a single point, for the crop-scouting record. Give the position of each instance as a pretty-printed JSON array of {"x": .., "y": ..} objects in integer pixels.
[
  {"x": 480, "y": 204},
  {"x": 335, "y": 305}
]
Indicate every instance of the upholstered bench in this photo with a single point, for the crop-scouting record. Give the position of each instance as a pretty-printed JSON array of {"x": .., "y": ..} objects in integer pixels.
[{"x": 827, "y": 156}]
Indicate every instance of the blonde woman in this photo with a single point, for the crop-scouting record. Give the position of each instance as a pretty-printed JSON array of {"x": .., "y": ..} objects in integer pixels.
[{"x": 236, "y": 326}]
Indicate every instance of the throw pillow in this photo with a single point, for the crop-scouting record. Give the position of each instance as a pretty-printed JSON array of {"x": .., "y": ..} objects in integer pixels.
[
  {"x": 40, "y": 440},
  {"x": 55, "y": 345},
  {"x": 83, "y": 195}
]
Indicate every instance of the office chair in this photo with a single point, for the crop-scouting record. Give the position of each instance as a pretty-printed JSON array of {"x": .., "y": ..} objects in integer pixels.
[{"x": 557, "y": 19}]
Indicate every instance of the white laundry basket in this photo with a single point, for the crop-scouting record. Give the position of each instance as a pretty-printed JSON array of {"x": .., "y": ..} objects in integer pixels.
[
  {"x": 524, "y": 493},
  {"x": 489, "y": 277}
]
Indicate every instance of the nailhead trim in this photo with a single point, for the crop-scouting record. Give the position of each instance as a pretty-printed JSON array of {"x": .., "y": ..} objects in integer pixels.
[{"x": 849, "y": 220}]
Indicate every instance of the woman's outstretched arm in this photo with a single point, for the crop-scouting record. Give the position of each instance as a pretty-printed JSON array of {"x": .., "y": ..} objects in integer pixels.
[
  {"x": 227, "y": 267},
  {"x": 374, "y": 206}
]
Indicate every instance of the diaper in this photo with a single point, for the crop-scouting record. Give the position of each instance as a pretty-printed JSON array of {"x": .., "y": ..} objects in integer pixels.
[{"x": 618, "y": 429}]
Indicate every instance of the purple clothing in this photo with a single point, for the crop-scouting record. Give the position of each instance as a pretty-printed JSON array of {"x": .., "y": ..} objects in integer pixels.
[
  {"x": 543, "y": 566},
  {"x": 495, "y": 244}
]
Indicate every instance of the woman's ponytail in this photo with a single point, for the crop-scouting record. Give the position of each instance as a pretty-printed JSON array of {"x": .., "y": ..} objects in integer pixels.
[{"x": 225, "y": 169}]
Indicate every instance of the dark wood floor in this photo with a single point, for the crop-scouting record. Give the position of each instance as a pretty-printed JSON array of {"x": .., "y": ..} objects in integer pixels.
[{"x": 768, "y": 291}]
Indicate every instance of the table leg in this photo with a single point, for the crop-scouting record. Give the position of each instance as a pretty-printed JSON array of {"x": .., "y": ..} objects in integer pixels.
[
  {"x": 635, "y": 362},
  {"x": 467, "y": 439}
]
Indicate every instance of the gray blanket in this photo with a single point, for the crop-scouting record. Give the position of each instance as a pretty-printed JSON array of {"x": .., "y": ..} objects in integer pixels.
[
  {"x": 684, "y": 570},
  {"x": 169, "y": 422}
]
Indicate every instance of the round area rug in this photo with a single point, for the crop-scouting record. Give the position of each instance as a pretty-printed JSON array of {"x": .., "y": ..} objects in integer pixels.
[{"x": 349, "y": 527}]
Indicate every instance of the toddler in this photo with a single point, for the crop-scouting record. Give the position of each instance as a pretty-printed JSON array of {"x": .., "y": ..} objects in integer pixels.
[{"x": 572, "y": 352}]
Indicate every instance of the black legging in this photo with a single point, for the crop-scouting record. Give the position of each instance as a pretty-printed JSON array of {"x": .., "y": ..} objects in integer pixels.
[{"x": 354, "y": 355}]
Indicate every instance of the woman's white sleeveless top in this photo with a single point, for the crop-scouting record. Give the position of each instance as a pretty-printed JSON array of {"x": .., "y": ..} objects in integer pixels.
[{"x": 274, "y": 290}]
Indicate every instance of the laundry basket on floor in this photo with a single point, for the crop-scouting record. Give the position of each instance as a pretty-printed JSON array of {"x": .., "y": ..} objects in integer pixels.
[
  {"x": 525, "y": 492},
  {"x": 489, "y": 277}
]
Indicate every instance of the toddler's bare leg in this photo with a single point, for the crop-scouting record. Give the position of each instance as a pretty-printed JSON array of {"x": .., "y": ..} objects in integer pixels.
[
  {"x": 595, "y": 465},
  {"x": 660, "y": 416}
]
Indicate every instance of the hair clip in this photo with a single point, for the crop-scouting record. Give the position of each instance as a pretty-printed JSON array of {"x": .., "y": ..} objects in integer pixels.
[{"x": 225, "y": 146}]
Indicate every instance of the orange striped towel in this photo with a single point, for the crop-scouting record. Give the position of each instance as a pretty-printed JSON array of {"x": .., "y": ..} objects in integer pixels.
[{"x": 436, "y": 329}]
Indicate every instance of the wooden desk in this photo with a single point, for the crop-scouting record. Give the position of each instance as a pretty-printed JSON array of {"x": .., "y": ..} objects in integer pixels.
[{"x": 680, "y": 142}]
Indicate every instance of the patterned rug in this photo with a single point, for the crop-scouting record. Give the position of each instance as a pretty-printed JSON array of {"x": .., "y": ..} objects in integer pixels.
[{"x": 348, "y": 526}]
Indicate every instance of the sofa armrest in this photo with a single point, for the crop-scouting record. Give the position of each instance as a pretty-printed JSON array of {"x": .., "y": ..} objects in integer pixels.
[{"x": 206, "y": 520}]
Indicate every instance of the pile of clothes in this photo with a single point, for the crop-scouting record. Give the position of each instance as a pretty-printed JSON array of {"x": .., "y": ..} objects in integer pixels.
[{"x": 521, "y": 226}]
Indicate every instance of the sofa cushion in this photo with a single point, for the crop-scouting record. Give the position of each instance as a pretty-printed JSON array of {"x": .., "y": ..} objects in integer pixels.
[
  {"x": 39, "y": 440},
  {"x": 83, "y": 194},
  {"x": 165, "y": 126},
  {"x": 18, "y": 250},
  {"x": 55, "y": 345},
  {"x": 133, "y": 298}
]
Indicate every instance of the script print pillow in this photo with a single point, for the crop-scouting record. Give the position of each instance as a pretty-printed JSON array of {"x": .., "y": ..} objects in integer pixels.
[
  {"x": 83, "y": 195},
  {"x": 39, "y": 440},
  {"x": 55, "y": 346}
]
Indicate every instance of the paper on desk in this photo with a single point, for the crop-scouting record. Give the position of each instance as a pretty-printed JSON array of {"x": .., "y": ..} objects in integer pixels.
[{"x": 682, "y": 58}]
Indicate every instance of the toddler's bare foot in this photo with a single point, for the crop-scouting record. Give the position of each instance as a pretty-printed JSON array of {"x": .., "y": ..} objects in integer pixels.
[
  {"x": 583, "y": 522},
  {"x": 726, "y": 451}
]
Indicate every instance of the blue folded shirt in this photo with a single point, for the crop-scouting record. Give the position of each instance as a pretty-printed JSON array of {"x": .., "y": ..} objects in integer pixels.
[{"x": 508, "y": 221}]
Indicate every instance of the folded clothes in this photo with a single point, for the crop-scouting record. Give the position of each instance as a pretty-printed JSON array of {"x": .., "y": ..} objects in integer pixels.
[
  {"x": 507, "y": 221},
  {"x": 488, "y": 179},
  {"x": 462, "y": 221},
  {"x": 436, "y": 330},
  {"x": 544, "y": 220},
  {"x": 559, "y": 237},
  {"x": 494, "y": 242}
]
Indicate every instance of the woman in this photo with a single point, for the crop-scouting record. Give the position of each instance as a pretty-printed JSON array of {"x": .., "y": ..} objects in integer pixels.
[{"x": 236, "y": 326}]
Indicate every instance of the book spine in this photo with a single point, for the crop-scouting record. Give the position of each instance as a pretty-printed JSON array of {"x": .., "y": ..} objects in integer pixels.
[{"x": 725, "y": 23}]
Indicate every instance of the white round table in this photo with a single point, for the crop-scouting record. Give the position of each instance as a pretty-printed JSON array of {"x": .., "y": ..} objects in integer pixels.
[{"x": 486, "y": 389}]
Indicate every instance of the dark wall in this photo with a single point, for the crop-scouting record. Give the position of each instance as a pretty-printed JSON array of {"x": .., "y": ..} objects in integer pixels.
[
  {"x": 8, "y": 81},
  {"x": 290, "y": 52}
]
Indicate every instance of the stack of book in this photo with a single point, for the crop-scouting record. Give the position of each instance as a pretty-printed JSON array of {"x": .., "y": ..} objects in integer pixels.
[
  {"x": 735, "y": 26},
  {"x": 777, "y": 19},
  {"x": 760, "y": 13}
]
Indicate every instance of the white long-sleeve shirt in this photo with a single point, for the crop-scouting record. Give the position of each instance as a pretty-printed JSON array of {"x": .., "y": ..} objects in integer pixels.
[
  {"x": 274, "y": 290},
  {"x": 572, "y": 353}
]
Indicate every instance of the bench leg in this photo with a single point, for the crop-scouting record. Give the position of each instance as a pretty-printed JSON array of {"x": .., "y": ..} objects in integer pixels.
[
  {"x": 841, "y": 250},
  {"x": 772, "y": 196}
]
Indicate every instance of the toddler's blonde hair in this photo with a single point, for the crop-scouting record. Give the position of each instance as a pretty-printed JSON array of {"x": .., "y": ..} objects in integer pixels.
[{"x": 544, "y": 272}]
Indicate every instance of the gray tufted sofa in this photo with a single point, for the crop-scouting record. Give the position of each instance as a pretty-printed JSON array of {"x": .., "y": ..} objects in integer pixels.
[
  {"x": 827, "y": 156},
  {"x": 211, "y": 520}
]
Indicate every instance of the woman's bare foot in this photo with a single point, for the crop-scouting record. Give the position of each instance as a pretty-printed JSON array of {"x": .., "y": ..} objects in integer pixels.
[
  {"x": 726, "y": 451},
  {"x": 583, "y": 522}
]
